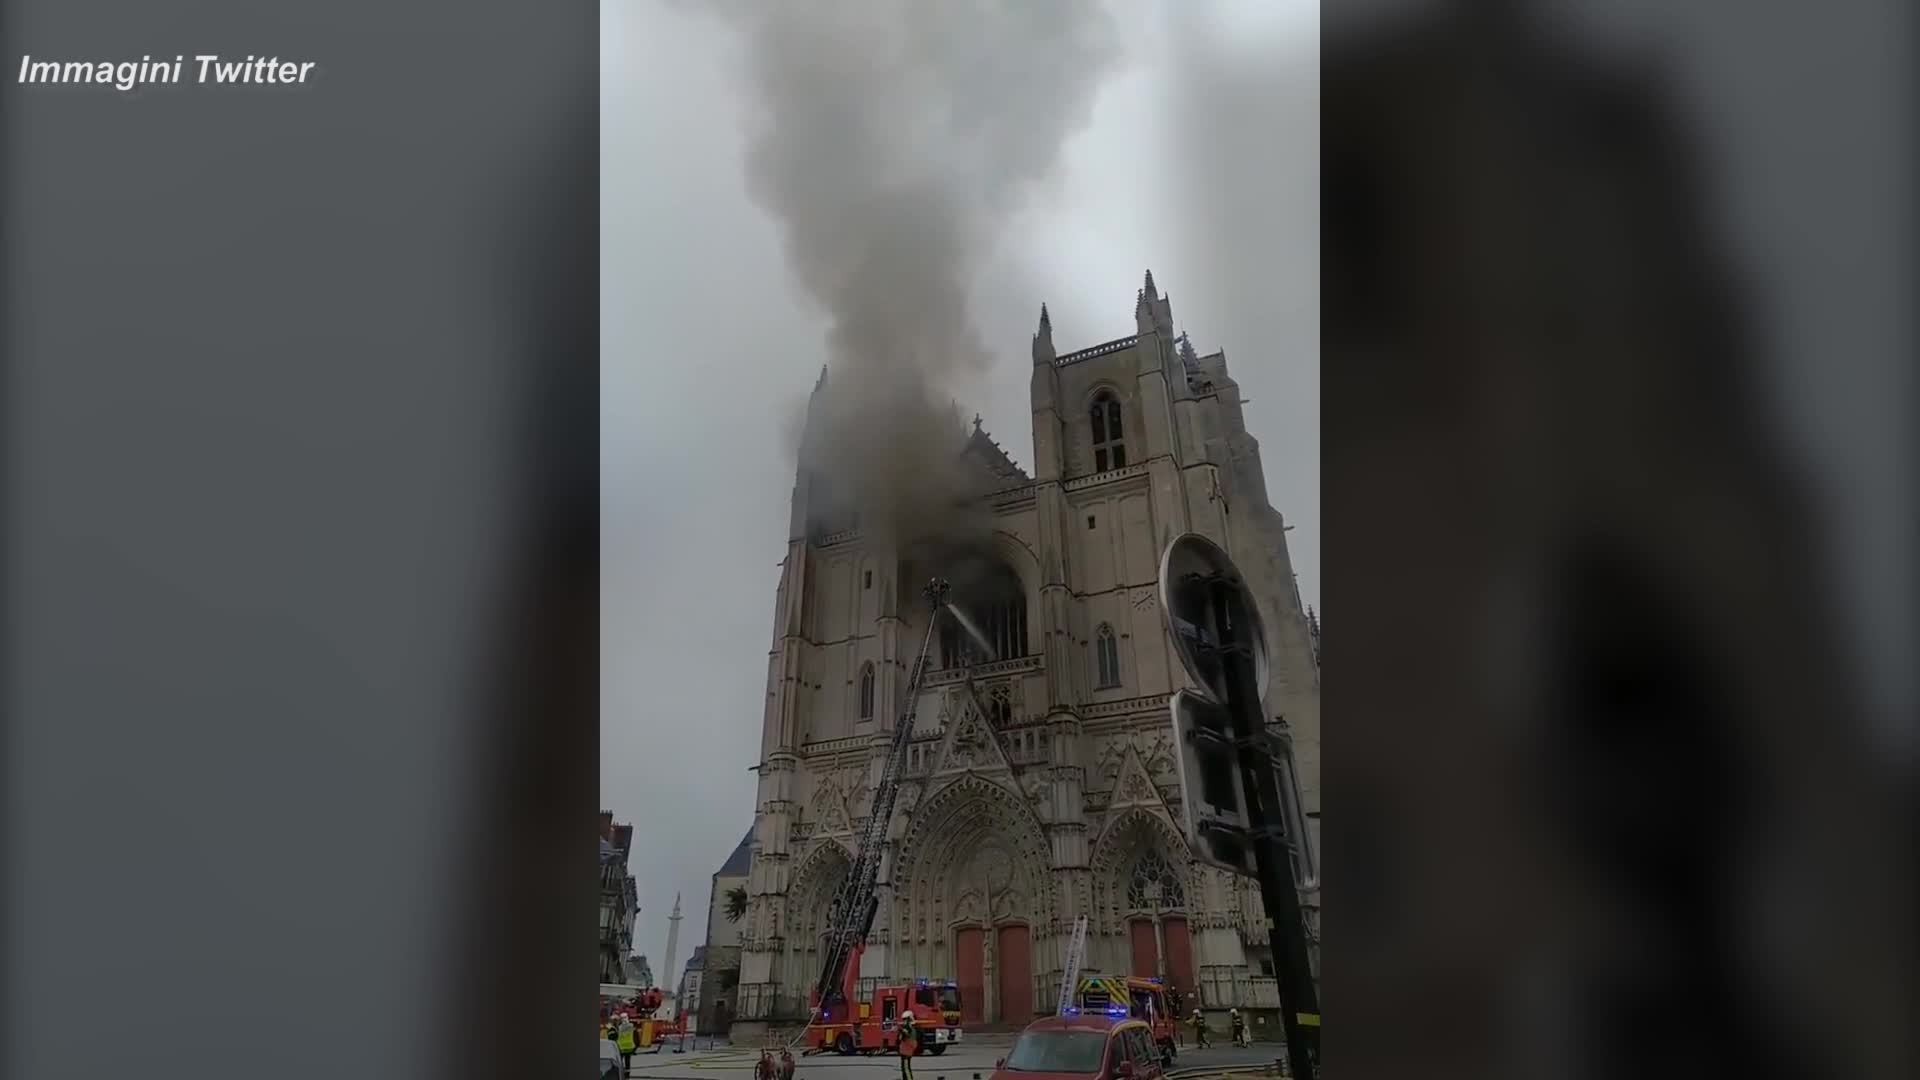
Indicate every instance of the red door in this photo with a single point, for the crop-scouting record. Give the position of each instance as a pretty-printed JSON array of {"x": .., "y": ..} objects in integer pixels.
[
  {"x": 968, "y": 967},
  {"x": 1013, "y": 974},
  {"x": 1179, "y": 953},
  {"x": 1145, "y": 956}
]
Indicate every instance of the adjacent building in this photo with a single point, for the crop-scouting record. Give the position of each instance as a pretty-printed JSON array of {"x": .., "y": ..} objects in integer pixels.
[
  {"x": 688, "y": 995},
  {"x": 1041, "y": 781},
  {"x": 619, "y": 901},
  {"x": 720, "y": 954}
]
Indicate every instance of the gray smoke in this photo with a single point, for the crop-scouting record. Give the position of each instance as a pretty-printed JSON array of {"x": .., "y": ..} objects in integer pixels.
[{"x": 895, "y": 138}]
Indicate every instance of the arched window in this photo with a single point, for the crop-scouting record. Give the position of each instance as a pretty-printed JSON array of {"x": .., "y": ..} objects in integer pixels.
[
  {"x": 994, "y": 604},
  {"x": 1106, "y": 654},
  {"x": 1155, "y": 884},
  {"x": 866, "y": 691},
  {"x": 1109, "y": 451},
  {"x": 999, "y": 705}
]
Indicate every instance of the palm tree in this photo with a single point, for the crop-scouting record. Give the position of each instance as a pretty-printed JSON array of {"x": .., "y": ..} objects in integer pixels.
[{"x": 736, "y": 903}]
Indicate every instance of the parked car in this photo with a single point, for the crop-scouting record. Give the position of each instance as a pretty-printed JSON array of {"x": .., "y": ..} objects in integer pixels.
[
  {"x": 1083, "y": 1046},
  {"x": 610, "y": 1068}
]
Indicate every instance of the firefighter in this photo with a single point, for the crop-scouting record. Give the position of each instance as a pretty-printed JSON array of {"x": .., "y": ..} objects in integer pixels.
[
  {"x": 909, "y": 1044},
  {"x": 1199, "y": 1023},
  {"x": 786, "y": 1064},
  {"x": 763, "y": 1069},
  {"x": 623, "y": 1039},
  {"x": 1238, "y": 1025}
]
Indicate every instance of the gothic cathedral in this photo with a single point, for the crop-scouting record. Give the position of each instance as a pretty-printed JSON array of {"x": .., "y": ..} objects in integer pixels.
[{"x": 1041, "y": 783}]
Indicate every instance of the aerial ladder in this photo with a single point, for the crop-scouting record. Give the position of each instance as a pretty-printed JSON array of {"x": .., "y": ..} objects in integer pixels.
[{"x": 850, "y": 916}]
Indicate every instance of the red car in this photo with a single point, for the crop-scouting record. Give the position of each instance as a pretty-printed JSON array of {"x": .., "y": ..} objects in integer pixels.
[{"x": 1083, "y": 1046}]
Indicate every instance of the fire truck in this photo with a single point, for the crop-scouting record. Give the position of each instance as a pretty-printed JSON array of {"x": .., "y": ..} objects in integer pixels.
[
  {"x": 872, "y": 1024},
  {"x": 1140, "y": 997},
  {"x": 841, "y": 1019},
  {"x": 640, "y": 1004}
]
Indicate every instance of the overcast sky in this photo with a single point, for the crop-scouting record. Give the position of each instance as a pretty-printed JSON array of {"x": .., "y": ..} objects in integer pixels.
[{"x": 708, "y": 347}]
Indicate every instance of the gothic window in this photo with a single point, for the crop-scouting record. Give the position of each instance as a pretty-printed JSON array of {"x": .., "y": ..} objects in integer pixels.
[
  {"x": 1109, "y": 451},
  {"x": 866, "y": 691},
  {"x": 1000, "y": 705},
  {"x": 1155, "y": 884},
  {"x": 996, "y": 606},
  {"x": 1106, "y": 651}
]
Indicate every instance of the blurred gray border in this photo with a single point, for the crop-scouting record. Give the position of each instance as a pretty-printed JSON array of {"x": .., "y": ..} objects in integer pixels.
[{"x": 300, "y": 543}]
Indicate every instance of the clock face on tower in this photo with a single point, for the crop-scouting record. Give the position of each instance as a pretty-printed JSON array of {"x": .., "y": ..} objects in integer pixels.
[{"x": 1143, "y": 600}]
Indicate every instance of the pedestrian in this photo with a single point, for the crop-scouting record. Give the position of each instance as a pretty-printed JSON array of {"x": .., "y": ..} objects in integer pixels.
[
  {"x": 623, "y": 1039},
  {"x": 786, "y": 1063},
  {"x": 909, "y": 1044},
  {"x": 763, "y": 1069},
  {"x": 1199, "y": 1023}
]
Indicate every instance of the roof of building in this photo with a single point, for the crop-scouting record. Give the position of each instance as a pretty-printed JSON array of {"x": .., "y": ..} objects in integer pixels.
[
  {"x": 699, "y": 958},
  {"x": 737, "y": 863},
  {"x": 981, "y": 447}
]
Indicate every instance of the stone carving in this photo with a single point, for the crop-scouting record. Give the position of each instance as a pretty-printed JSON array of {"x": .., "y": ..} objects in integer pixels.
[
  {"x": 993, "y": 866},
  {"x": 1034, "y": 785},
  {"x": 967, "y": 908}
]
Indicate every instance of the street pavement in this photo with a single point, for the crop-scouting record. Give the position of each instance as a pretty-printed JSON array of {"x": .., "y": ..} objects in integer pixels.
[{"x": 973, "y": 1057}]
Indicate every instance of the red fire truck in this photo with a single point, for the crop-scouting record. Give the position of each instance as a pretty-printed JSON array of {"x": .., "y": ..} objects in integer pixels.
[
  {"x": 640, "y": 1004},
  {"x": 871, "y": 1025}
]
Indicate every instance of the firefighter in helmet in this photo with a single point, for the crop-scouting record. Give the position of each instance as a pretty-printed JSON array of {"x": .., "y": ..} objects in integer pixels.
[
  {"x": 909, "y": 1043},
  {"x": 1199, "y": 1023}
]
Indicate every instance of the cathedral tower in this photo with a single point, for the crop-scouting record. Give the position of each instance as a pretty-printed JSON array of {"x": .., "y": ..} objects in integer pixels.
[{"x": 1041, "y": 782}]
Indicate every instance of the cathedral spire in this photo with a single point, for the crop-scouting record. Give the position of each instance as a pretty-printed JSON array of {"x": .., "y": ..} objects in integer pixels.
[
  {"x": 1043, "y": 339},
  {"x": 1148, "y": 296}
]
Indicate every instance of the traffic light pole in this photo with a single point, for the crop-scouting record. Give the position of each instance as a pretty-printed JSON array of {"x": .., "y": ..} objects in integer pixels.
[{"x": 1259, "y": 772}]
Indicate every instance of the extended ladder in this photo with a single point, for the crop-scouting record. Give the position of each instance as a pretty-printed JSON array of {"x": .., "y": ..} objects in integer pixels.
[
  {"x": 1070, "y": 978},
  {"x": 850, "y": 915}
]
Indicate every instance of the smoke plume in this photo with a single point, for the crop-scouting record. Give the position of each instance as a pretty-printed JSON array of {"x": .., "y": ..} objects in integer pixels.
[{"x": 894, "y": 138}]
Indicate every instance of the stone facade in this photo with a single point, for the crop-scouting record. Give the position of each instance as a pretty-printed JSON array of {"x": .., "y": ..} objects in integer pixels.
[
  {"x": 1042, "y": 783},
  {"x": 619, "y": 902},
  {"x": 720, "y": 952}
]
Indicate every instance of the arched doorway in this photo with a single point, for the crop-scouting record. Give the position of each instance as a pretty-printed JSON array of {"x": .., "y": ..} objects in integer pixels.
[
  {"x": 992, "y": 934},
  {"x": 1143, "y": 872},
  {"x": 808, "y": 899},
  {"x": 973, "y": 883},
  {"x": 1157, "y": 915}
]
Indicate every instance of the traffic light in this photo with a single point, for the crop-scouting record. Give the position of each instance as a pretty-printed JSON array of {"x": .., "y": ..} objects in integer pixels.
[{"x": 1215, "y": 803}]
